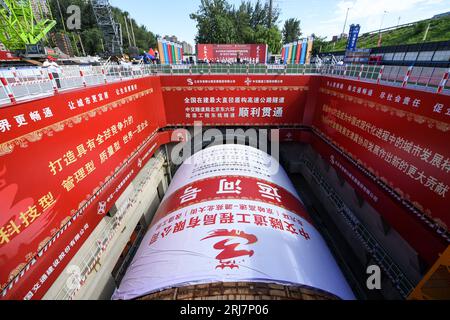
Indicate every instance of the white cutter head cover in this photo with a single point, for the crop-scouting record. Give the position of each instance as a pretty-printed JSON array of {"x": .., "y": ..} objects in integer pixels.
[{"x": 232, "y": 214}]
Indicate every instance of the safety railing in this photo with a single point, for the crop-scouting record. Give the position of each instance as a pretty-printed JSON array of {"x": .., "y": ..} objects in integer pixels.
[
  {"x": 423, "y": 78},
  {"x": 33, "y": 83}
]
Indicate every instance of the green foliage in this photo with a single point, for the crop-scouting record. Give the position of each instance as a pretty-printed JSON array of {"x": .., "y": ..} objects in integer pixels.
[
  {"x": 221, "y": 23},
  {"x": 271, "y": 37},
  {"x": 92, "y": 41},
  {"x": 92, "y": 36},
  {"x": 319, "y": 44},
  {"x": 439, "y": 31},
  {"x": 291, "y": 31},
  {"x": 420, "y": 28}
]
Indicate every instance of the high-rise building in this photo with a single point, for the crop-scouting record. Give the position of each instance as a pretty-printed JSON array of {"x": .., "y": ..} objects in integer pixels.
[
  {"x": 171, "y": 39},
  {"x": 187, "y": 48}
]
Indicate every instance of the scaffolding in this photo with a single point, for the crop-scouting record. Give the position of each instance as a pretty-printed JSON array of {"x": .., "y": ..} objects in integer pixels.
[{"x": 112, "y": 31}]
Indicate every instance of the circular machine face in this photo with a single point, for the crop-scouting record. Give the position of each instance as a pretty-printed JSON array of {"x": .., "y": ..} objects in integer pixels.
[{"x": 231, "y": 214}]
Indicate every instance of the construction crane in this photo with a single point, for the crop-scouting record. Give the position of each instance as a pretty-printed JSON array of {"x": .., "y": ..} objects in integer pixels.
[
  {"x": 21, "y": 31},
  {"x": 112, "y": 31}
]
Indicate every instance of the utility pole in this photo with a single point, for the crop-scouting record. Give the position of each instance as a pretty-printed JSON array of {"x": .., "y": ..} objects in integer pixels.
[
  {"x": 128, "y": 32},
  {"x": 346, "y": 19},
  {"x": 398, "y": 24},
  {"x": 270, "y": 13},
  {"x": 132, "y": 32},
  {"x": 381, "y": 26},
  {"x": 62, "y": 16},
  {"x": 82, "y": 46}
]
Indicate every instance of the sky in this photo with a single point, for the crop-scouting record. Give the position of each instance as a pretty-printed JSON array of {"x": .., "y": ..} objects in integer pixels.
[{"x": 321, "y": 17}]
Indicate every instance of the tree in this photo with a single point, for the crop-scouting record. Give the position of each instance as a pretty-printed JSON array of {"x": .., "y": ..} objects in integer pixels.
[
  {"x": 291, "y": 31},
  {"x": 320, "y": 44},
  {"x": 219, "y": 22},
  {"x": 92, "y": 41},
  {"x": 271, "y": 37},
  {"x": 91, "y": 35},
  {"x": 214, "y": 22},
  {"x": 242, "y": 20}
]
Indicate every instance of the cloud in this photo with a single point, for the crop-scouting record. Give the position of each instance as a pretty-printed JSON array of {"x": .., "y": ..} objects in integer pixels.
[
  {"x": 369, "y": 13},
  {"x": 369, "y": 8}
]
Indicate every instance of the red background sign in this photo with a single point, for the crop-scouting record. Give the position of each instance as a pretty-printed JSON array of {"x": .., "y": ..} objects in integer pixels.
[
  {"x": 426, "y": 242},
  {"x": 52, "y": 167},
  {"x": 248, "y": 190},
  {"x": 65, "y": 154},
  {"x": 217, "y": 52},
  {"x": 396, "y": 134},
  {"x": 237, "y": 100}
]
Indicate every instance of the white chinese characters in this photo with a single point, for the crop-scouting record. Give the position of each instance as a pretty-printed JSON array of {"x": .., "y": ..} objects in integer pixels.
[
  {"x": 229, "y": 187},
  {"x": 268, "y": 192},
  {"x": 190, "y": 194},
  {"x": 23, "y": 120}
]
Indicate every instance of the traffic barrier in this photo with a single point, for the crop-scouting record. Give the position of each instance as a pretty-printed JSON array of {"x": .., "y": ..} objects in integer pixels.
[
  {"x": 380, "y": 75},
  {"x": 53, "y": 80},
  {"x": 83, "y": 78},
  {"x": 8, "y": 90},
  {"x": 69, "y": 76},
  {"x": 361, "y": 72},
  {"x": 443, "y": 82},
  {"x": 408, "y": 75}
]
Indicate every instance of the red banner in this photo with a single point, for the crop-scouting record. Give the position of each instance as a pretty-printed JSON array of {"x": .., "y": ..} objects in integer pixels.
[
  {"x": 397, "y": 135},
  {"x": 58, "y": 153},
  {"x": 56, "y": 255},
  {"x": 245, "y": 188},
  {"x": 238, "y": 100},
  {"x": 219, "y": 52},
  {"x": 425, "y": 241}
]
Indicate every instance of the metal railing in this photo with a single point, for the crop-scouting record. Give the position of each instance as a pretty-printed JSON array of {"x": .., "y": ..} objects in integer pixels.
[{"x": 33, "y": 83}]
